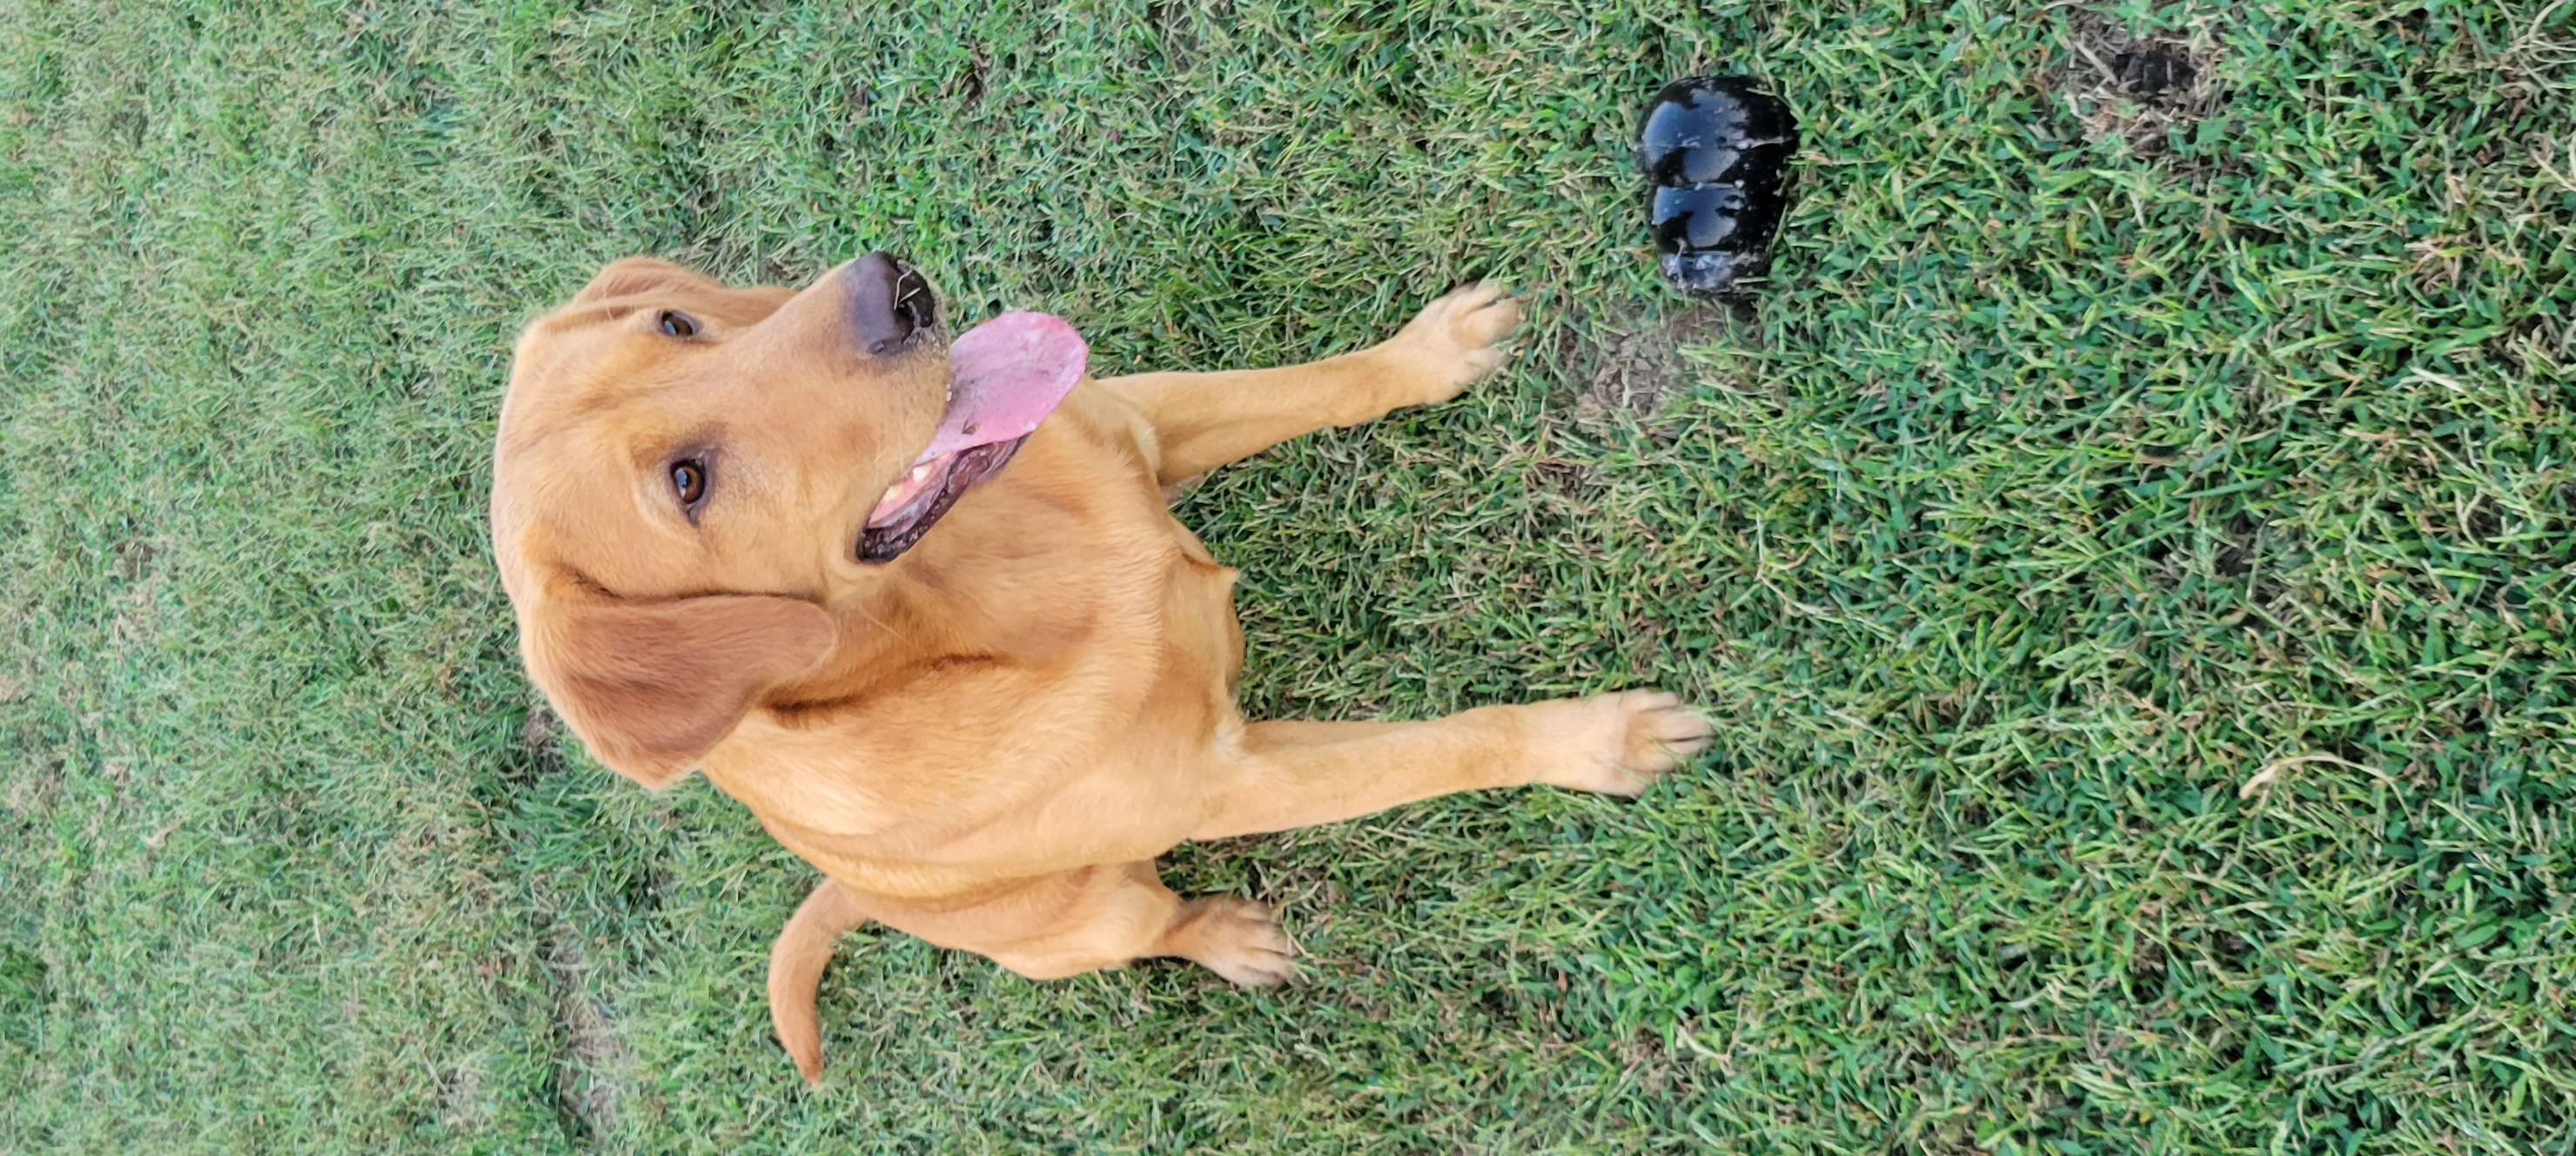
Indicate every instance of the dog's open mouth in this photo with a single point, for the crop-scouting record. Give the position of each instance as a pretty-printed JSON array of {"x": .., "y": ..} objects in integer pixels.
[{"x": 1004, "y": 377}]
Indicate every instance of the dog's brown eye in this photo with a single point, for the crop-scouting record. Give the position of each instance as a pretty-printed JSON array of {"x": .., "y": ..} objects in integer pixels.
[
  {"x": 689, "y": 481},
  {"x": 676, "y": 324}
]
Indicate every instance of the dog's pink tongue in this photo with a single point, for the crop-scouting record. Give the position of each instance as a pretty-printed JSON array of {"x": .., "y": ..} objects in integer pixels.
[{"x": 1004, "y": 377}]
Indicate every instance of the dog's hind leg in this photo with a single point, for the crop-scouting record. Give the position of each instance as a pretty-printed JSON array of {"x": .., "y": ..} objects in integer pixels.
[
  {"x": 1108, "y": 915},
  {"x": 1204, "y": 420},
  {"x": 796, "y": 967}
]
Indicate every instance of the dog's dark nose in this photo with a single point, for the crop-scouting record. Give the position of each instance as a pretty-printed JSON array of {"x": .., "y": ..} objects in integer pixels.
[{"x": 890, "y": 302}]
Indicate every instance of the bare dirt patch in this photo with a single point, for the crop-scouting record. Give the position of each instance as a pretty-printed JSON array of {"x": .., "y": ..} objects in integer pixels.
[
  {"x": 138, "y": 615},
  {"x": 2137, "y": 88},
  {"x": 1634, "y": 364},
  {"x": 461, "y": 1096},
  {"x": 542, "y": 735},
  {"x": 1569, "y": 479},
  {"x": 590, "y": 1069}
]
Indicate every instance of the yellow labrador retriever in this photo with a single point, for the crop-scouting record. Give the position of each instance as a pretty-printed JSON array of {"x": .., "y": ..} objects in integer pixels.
[{"x": 918, "y": 603}]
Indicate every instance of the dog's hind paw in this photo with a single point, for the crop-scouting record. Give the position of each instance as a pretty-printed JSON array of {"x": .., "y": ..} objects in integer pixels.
[{"x": 1235, "y": 938}]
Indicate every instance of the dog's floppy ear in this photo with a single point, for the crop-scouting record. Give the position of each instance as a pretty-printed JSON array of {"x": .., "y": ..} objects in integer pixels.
[
  {"x": 634, "y": 275},
  {"x": 653, "y": 685}
]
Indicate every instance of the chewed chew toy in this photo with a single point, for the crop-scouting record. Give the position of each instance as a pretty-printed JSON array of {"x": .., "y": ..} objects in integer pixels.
[{"x": 1715, "y": 148}]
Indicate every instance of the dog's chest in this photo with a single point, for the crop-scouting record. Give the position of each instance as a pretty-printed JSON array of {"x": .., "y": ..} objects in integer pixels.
[{"x": 1082, "y": 681}]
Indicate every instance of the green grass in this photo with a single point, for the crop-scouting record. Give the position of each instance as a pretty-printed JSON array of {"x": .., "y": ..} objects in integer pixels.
[{"x": 2082, "y": 462}]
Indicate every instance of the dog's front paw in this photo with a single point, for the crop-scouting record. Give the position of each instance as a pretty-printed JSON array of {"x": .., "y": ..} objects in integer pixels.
[
  {"x": 1453, "y": 341},
  {"x": 1616, "y": 744},
  {"x": 1235, "y": 938}
]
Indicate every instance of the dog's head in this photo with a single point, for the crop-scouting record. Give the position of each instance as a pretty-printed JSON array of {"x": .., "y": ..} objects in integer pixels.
[{"x": 688, "y": 475}]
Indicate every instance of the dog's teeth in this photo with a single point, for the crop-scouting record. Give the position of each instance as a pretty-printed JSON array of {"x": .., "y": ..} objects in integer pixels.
[{"x": 903, "y": 487}]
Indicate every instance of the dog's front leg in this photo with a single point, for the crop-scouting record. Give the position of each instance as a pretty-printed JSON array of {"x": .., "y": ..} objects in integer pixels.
[
  {"x": 1204, "y": 420},
  {"x": 1296, "y": 774}
]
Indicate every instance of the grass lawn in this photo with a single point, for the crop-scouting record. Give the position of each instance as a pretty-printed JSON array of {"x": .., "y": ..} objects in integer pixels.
[{"x": 2128, "y": 551}]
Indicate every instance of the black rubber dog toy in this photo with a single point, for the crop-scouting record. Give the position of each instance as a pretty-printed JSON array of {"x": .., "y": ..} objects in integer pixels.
[{"x": 1716, "y": 148}]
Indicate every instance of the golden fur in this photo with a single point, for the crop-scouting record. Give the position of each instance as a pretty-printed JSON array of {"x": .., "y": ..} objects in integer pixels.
[{"x": 986, "y": 741}]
